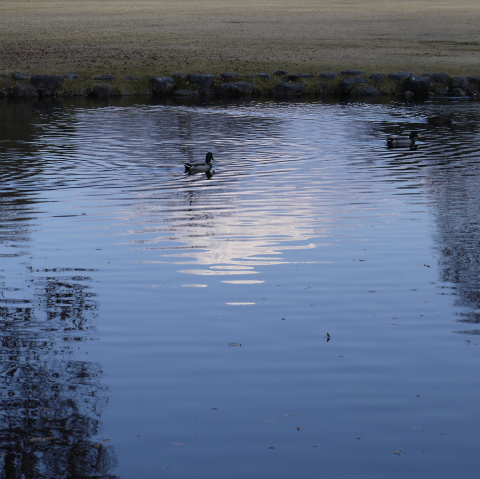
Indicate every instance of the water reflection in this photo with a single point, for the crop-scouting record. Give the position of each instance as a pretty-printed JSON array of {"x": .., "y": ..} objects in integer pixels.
[
  {"x": 96, "y": 212},
  {"x": 51, "y": 398},
  {"x": 51, "y": 401},
  {"x": 446, "y": 167}
]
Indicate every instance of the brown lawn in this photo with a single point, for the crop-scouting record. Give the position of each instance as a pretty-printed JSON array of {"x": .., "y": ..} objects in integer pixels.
[{"x": 248, "y": 36}]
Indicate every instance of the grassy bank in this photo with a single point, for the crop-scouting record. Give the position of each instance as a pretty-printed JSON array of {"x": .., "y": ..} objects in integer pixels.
[{"x": 145, "y": 38}]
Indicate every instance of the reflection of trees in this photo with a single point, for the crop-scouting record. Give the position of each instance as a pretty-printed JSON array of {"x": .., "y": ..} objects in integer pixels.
[
  {"x": 50, "y": 402},
  {"x": 448, "y": 166},
  {"x": 459, "y": 239}
]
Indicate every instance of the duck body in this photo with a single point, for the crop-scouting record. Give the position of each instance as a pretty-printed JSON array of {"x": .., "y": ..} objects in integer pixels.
[
  {"x": 395, "y": 141},
  {"x": 441, "y": 120},
  {"x": 200, "y": 166}
]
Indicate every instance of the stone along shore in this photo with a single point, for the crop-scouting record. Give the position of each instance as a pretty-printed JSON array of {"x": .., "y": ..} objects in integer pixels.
[{"x": 280, "y": 84}]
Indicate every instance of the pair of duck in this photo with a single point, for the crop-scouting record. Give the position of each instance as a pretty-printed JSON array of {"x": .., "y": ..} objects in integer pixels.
[
  {"x": 200, "y": 166},
  {"x": 435, "y": 120}
]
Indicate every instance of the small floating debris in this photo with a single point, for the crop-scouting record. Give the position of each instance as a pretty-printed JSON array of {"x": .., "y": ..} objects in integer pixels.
[{"x": 234, "y": 344}]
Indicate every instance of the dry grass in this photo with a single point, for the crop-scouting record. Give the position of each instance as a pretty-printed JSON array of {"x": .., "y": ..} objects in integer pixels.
[{"x": 155, "y": 37}]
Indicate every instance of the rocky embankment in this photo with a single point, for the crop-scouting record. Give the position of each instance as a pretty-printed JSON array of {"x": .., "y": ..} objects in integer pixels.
[{"x": 347, "y": 83}]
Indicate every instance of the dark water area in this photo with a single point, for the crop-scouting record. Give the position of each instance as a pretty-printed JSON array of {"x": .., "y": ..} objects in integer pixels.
[{"x": 311, "y": 310}]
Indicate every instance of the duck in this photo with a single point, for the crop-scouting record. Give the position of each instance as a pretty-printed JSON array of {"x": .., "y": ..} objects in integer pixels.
[
  {"x": 441, "y": 119},
  {"x": 393, "y": 141},
  {"x": 200, "y": 166}
]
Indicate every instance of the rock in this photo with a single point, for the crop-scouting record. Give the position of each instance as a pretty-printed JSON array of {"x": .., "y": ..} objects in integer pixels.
[
  {"x": 105, "y": 77},
  {"x": 299, "y": 76},
  {"x": 289, "y": 89},
  {"x": 72, "y": 76},
  {"x": 365, "y": 91},
  {"x": 458, "y": 92},
  {"x": 46, "y": 84},
  {"x": 474, "y": 80},
  {"x": 399, "y": 76},
  {"x": 162, "y": 85},
  {"x": 229, "y": 76},
  {"x": 328, "y": 75},
  {"x": 186, "y": 93},
  {"x": 131, "y": 78},
  {"x": 352, "y": 73},
  {"x": 280, "y": 73},
  {"x": 236, "y": 89},
  {"x": 442, "y": 92},
  {"x": 324, "y": 86},
  {"x": 265, "y": 76},
  {"x": 459, "y": 82},
  {"x": 348, "y": 83},
  {"x": 178, "y": 75},
  {"x": 439, "y": 77},
  {"x": 101, "y": 91},
  {"x": 23, "y": 91},
  {"x": 19, "y": 76},
  {"x": 204, "y": 81},
  {"x": 418, "y": 84},
  {"x": 377, "y": 77},
  {"x": 409, "y": 95}
]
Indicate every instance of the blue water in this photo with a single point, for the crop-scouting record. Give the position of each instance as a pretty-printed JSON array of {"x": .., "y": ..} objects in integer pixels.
[{"x": 309, "y": 311}]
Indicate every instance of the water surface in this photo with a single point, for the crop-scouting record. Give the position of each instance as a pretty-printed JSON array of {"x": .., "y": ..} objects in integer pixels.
[{"x": 309, "y": 311}]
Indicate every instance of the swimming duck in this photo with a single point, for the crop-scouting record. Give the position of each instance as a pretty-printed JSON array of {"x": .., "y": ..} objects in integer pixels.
[
  {"x": 441, "y": 119},
  {"x": 402, "y": 141},
  {"x": 200, "y": 166}
]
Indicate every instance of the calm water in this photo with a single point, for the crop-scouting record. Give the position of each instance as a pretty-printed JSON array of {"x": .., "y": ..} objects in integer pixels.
[{"x": 311, "y": 311}]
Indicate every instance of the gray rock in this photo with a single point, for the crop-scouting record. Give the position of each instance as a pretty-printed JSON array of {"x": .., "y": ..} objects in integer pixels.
[
  {"x": 442, "y": 92},
  {"x": 365, "y": 91},
  {"x": 131, "y": 78},
  {"x": 409, "y": 95},
  {"x": 299, "y": 76},
  {"x": 229, "y": 76},
  {"x": 352, "y": 73},
  {"x": 418, "y": 84},
  {"x": 289, "y": 89},
  {"x": 459, "y": 82},
  {"x": 328, "y": 75},
  {"x": 457, "y": 92},
  {"x": 236, "y": 89},
  {"x": 186, "y": 93},
  {"x": 203, "y": 81},
  {"x": 377, "y": 77},
  {"x": 179, "y": 75},
  {"x": 265, "y": 76},
  {"x": 19, "y": 76},
  {"x": 162, "y": 85},
  {"x": 399, "y": 76},
  {"x": 101, "y": 91},
  {"x": 23, "y": 91},
  {"x": 348, "y": 83},
  {"x": 324, "y": 86},
  {"x": 105, "y": 77},
  {"x": 439, "y": 77},
  {"x": 72, "y": 76},
  {"x": 280, "y": 73},
  {"x": 474, "y": 80},
  {"x": 46, "y": 84}
]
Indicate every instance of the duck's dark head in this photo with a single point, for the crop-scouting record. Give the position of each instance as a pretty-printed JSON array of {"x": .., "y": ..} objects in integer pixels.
[
  {"x": 209, "y": 157},
  {"x": 413, "y": 135}
]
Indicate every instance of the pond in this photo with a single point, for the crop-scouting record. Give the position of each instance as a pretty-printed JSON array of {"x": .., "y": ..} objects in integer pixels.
[{"x": 309, "y": 310}]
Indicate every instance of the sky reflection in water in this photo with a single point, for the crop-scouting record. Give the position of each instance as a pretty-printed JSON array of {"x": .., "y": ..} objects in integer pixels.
[{"x": 160, "y": 324}]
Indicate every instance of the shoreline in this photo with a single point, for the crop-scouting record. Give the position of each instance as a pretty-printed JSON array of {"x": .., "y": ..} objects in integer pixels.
[{"x": 354, "y": 84}]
